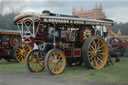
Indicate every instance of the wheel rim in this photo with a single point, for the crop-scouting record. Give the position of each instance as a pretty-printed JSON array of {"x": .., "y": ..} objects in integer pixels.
[
  {"x": 97, "y": 53},
  {"x": 21, "y": 52},
  {"x": 56, "y": 62},
  {"x": 35, "y": 63}
]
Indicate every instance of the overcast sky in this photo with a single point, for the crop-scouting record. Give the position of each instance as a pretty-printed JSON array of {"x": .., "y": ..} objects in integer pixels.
[{"x": 114, "y": 9}]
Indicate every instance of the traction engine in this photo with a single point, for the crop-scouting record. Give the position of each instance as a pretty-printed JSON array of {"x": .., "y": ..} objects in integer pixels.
[{"x": 63, "y": 39}]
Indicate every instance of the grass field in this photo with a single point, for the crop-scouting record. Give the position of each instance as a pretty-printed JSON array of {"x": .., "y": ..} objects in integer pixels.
[{"x": 118, "y": 73}]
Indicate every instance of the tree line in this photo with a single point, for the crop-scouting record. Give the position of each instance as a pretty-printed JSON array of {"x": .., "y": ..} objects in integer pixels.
[
  {"x": 6, "y": 22},
  {"x": 122, "y": 26}
]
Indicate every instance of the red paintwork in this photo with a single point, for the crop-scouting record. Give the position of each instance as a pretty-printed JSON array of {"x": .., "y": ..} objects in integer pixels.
[
  {"x": 5, "y": 52},
  {"x": 27, "y": 40},
  {"x": 118, "y": 44},
  {"x": 68, "y": 52},
  {"x": 58, "y": 45},
  {"x": 113, "y": 47},
  {"x": 5, "y": 46},
  {"x": 77, "y": 52}
]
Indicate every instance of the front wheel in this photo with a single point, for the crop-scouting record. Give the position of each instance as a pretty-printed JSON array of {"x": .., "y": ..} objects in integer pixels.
[
  {"x": 95, "y": 52},
  {"x": 35, "y": 61},
  {"x": 20, "y": 51},
  {"x": 55, "y": 61}
]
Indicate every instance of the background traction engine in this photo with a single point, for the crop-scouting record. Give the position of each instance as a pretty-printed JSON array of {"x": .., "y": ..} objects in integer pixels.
[
  {"x": 65, "y": 39},
  {"x": 8, "y": 39}
]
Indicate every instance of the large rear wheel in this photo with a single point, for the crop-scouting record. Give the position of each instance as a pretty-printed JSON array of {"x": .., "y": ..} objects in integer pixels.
[
  {"x": 35, "y": 61},
  {"x": 20, "y": 51},
  {"x": 95, "y": 52},
  {"x": 55, "y": 61}
]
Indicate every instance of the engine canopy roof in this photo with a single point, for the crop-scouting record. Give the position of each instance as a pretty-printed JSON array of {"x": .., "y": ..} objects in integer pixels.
[{"x": 60, "y": 19}]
